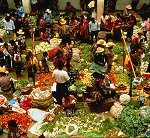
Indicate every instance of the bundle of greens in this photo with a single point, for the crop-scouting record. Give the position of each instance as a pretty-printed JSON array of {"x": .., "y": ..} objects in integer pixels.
[{"x": 130, "y": 122}]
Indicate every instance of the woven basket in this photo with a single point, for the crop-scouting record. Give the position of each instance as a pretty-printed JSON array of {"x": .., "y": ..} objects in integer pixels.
[{"x": 42, "y": 103}]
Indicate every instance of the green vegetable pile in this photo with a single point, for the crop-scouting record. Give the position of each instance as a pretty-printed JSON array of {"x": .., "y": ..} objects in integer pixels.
[
  {"x": 78, "y": 85},
  {"x": 130, "y": 121},
  {"x": 85, "y": 54},
  {"x": 19, "y": 84},
  {"x": 122, "y": 78}
]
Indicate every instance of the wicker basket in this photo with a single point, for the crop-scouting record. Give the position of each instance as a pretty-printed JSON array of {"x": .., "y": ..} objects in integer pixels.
[{"x": 42, "y": 103}]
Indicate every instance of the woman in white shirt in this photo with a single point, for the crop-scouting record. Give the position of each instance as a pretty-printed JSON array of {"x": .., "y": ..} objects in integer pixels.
[{"x": 61, "y": 77}]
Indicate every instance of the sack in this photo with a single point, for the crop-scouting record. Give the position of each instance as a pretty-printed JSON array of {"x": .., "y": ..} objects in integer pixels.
[
  {"x": 37, "y": 114},
  {"x": 116, "y": 109}
]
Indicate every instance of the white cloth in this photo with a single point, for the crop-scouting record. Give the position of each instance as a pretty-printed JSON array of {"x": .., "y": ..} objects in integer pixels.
[{"x": 60, "y": 76}]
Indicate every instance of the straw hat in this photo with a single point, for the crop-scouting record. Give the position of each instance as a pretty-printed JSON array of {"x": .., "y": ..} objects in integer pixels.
[
  {"x": 140, "y": 32},
  {"x": 110, "y": 44},
  {"x": 128, "y": 7},
  {"x": 62, "y": 21},
  {"x": 20, "y": 32},
  {"x": 48, "y": 11},
  {"x": 3, "y": 70},
  {"x": 99, "y": 50},
  {"x": 101, "y": 42}
]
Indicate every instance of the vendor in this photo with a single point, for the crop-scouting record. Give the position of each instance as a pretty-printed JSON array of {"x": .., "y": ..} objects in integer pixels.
[
  {"x": 103, "y": 86},
  {"x": 100, "y": 43},
  {"x": 44, "y": 35},
  {"x": 100, "y": 60},
  {"x": 6, "y": 82},
  {"x": 102, "y": 89},
  {"x": 61, "y": 78}
]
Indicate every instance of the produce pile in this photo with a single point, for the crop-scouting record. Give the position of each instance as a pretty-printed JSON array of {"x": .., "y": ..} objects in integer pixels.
[
  {"x": 85, "y": 58},
  {"x": 130, "y": 121},
  {"x": 19, "y": 84},
  {"x": 89, "y": 125},
  {"x": 22, "y": 119},
  {"x": 45, "y": 79},
  {"x": 122, "y": 78},
  {"x": 42, "y": 47}
]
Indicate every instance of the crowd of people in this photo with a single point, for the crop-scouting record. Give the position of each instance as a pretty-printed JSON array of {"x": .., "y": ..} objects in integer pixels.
[{"x": 72, "y": 29}]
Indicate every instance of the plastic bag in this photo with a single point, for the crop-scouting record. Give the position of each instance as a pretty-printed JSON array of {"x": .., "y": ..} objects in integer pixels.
[
  {"x": 37, "y": 114},
  {"x": 145, "y": 112}
]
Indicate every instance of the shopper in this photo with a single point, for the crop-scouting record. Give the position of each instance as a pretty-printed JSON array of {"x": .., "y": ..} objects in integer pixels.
[
  {"x": 48, "y": 18},
  {"x": 134, "y": 4},
  {"x": 7, "y": 59},
  {"x": 45, "y": 62},
  {"x": 69, "y": 8},
  {"x": 20, "y": 10},
  {"x": 65, "y": 32},
  {"x": 9, "y": 27},
  {"x": 59, "y": 57},
  {"x": 61, "y": 78},
  {"x": 94, "y": 27},
  {"x": 31, "y": 66}
]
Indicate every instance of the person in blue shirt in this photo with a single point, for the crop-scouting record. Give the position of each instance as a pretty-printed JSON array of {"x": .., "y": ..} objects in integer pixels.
[
  {"x": 48, "y": 18},
  {"x": 20, "y": 10}
]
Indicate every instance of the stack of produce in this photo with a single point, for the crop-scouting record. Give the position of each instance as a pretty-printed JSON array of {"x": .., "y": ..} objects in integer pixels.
[
  {"x": 89, "y": 125},
  {"x": 85, "y": 58},
  {"x": 22, "y": 119},
  {"x": 42, "y": 47},
  {"x": 45, "y": 79},
  {"x": 20, "y": 84},
  {"x": 85, "y": 77}
]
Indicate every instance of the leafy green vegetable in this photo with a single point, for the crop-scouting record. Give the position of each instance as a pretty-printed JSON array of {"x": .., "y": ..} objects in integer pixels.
[
  {"x": 106, "y": 126},
  {"x": 130, "y": 122}
]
